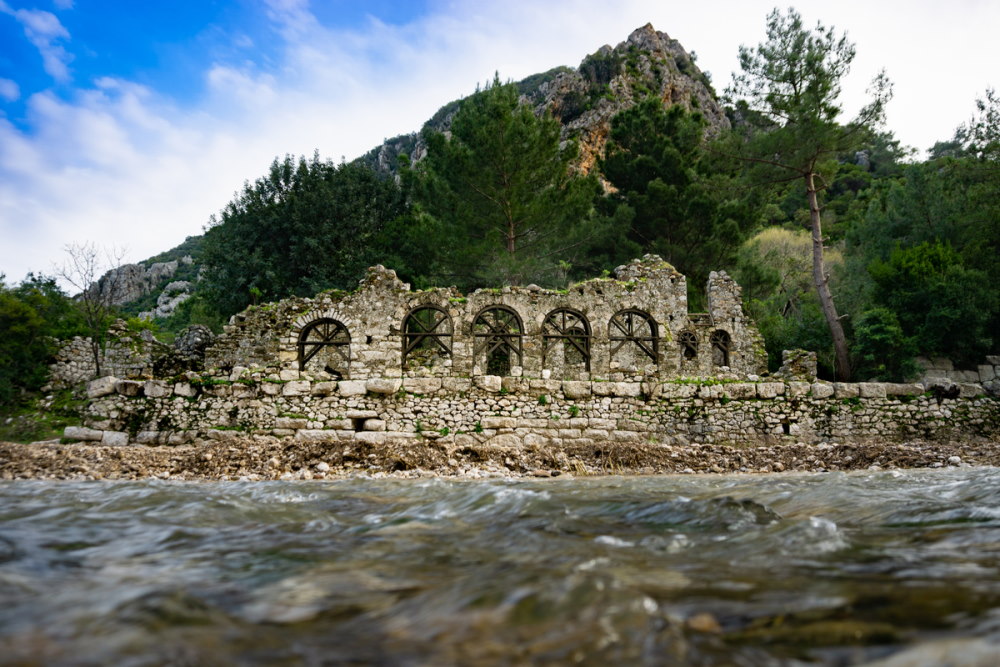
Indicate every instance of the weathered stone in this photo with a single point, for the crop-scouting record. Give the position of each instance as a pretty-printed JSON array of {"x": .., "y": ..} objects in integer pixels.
[
  {"x": 374, "y": 425},
  {"x": 82, "y": 433},
  {"x": 129, "y": 388},
  {"x": 384, "y": 385},
  {"x": 422, "y": 386},
  {"x": 770, "y": 389},
  {"x": 499, "y": 422},
  {"x": 575, "y": 389},
  {"x": 185, "y": 389},
  {"x": 316, "y": 435},
  {"x": 324, "y": 388},
  {"x": 101, "y": 386},
  {"x": 505, "y": 441},
  {"x": 625, "y": 389},
  {"x": 237, "y": 373},
  {"x": 845, "y": 390},
  {"x": 822, "y": 390},
  {"x": 361, "y": 414},
  {"x": 271, "y": 388},
  {"x": 296, "y": 388},
  {"x": 987, "y": 373},
  {"x": 491, "y": 383},
  {"x": 291, "y": 422},
  {"x": 352, "y": 388},
  {"x": 456, "y": 385},
  {"x": 872, "y": 390},
  {"x": 970, "y": 390},
  {"x": 740, "y": 390},
  {"x": 798, "y": 389},
  {"x": 372, "y": 437},
  {"x": 896, "y": 389},
  {"x": 288, "y": 375},
  {"x": 114, "y": 438},
  {"x": 156, "y": 389}
]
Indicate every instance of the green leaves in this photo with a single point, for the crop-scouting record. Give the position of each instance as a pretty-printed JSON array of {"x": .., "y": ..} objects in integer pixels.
[
  {"x": 499, "y": 195},
  {"x": 308, "y": 225}
]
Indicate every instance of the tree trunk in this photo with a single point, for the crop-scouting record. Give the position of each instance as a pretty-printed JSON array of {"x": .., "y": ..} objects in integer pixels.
[{"x": 843, "y": 361}]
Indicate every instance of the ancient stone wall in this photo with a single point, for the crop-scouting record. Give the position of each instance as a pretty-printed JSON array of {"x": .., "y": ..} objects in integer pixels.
[
  {"x": 632, "y": 327},
  {"x": 521, "y": 412}
]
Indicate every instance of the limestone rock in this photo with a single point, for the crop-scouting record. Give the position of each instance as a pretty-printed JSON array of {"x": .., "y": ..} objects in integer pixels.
[{"x": 101, "y": 386}]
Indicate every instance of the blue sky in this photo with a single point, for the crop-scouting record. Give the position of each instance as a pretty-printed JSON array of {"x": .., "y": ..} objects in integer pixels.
[{"x": 129, "y": 124}]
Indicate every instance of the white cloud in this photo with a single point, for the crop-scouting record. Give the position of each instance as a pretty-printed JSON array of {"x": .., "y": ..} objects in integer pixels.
[
  {"x": 44, "y": 30},
  {"x": 9, "y": 90},
  {"x": 120, "y": 164}
]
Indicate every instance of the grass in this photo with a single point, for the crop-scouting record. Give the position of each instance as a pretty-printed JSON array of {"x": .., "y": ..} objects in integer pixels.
[{"x": 34, "y": 421}]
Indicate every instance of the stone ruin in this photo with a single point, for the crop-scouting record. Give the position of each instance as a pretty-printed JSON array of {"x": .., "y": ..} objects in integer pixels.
[{"x": 632, "y": 327}]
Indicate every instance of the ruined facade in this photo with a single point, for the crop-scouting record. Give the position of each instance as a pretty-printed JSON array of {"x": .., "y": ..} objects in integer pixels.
[{"x": 632, "y": 327}]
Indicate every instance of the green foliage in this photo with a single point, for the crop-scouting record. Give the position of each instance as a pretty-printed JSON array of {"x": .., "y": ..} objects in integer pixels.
[
  {"x": 665, "y": 199},
  {"x": 948, "y": 307},
  {"x": 308, "y": 225},
  {"x": 496, "y": 202},
  {"x": 883, "y": 352},
  {"x": 32, "y": 315}
]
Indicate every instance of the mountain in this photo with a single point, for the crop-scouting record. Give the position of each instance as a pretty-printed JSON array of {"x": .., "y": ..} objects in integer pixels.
[{"x": 584, "y": 100}]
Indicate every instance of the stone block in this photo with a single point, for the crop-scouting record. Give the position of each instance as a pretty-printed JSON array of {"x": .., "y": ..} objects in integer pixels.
[
  {"x": 316, "y": 435},
  {"x": 601, "y": 388},
  {"x": 625, "y": 389},
  {"x": 602, "y": 424},
  {"x": 237, "y": 373},
  {"x": 740, "y": 390},
  {"x": 156, "y": 389},
  {"x": 515, "y": 385},
  {"x": 544, "y": 387},
  {"x": 456, "y": 385},
  {"x": 240, "y": 390},
  {"x": 491, "y": 383},
  {"x": 374, "y": 425},
  {"x": 710, "y": 391},
  {"x": 296, "y": 388},
  {"x": 533, "y": 440},
  {"x": 505, "y": 441},
  {"x": 498, "y": 422},
  {"x": 942, "y": 363},
  {"x": 270, "y": 388},
  {"x": 872, "y": 390},
  {"x": 101, "y": 386},
  {"x": 964, "y": 376},
  {"x": 352, "y": 388},
  {"x": 822, "y": 389},
  {"x": 288, "y": 374},
  {"x": 361, "y": 414},
  {"x": 150, "y": 437},
  {"x": 339, "y": 424},
  {"x": 185, "y": 389},
  {"x": 576, "y": 389},
  {"x": 180, "y": 437},
  {"x": 384, "y": 386},
  {"x": 282, "y": 432},
  {"x": 993, "y": 359},
  {"x": 220, "y": 390},
  {"x": 82, "y": 433},
  {"x": 674, "y": 390},
  {"x": 770, "y": 389},
  {"x": 987, "y": 373},
  {"x": 845, "y": 389},
  {"x": 324, "y": 388},
  {"x": 900, "y": 389},
  {"x": 372, "y": 437},
  {"x": 422, "y": 386},
  {"x": 291, "y": 422},
  {"x": 797, "y": 389},
  {"x": 114, "y": 438},
  {"x": 970, "y": 390}
]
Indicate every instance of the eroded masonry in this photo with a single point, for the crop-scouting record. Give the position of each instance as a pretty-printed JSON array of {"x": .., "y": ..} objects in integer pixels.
[{"x": 608, "y": 360}]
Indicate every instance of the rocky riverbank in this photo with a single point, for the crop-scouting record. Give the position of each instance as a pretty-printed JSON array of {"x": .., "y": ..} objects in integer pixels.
[{"x": 266, "y": 457}]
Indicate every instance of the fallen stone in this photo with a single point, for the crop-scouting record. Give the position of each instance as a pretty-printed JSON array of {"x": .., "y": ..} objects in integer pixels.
[{"x": 101, "y": 386}]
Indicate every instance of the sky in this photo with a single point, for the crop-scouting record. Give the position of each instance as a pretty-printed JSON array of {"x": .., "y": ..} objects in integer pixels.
[{"x": 128, "y": 124}]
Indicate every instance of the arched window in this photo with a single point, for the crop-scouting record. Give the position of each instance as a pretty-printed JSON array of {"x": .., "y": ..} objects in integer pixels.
[
  {"x": 633, "y": 334},
  {"x": 688, "y": 340},
  {"x": 427, "y": 334},
  {"x": 497, "y": 331},
  {"x": 325, "y": 345},
  {"x": 721, "y": 343},
  {"x": 566, "y": 339}
]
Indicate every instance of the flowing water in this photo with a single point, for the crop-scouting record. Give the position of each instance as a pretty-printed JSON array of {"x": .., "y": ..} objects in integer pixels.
[{"x": 900, "y": 567}]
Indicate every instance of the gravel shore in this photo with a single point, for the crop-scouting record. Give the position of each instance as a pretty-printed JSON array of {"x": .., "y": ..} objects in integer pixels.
[{"x": 265, "y": 458}]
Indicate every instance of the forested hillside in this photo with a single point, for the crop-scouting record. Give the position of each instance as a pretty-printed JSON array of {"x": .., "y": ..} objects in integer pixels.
[{"x": 845, "y": 242}]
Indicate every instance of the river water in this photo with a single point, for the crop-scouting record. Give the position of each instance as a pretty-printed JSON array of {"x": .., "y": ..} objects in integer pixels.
[{"x": 901, "y": 568}]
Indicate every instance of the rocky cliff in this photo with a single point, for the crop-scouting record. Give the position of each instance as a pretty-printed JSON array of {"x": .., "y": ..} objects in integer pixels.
[{"x": 585, "y": 99}]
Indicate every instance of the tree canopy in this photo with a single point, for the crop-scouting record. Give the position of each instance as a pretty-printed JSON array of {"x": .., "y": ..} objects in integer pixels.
[
  {"x": 306, "y": 226},
  {"x": 496, "y": 201}
]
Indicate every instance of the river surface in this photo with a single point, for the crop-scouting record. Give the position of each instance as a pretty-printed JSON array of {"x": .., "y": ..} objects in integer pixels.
[{"x": 900, "y": 568}]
